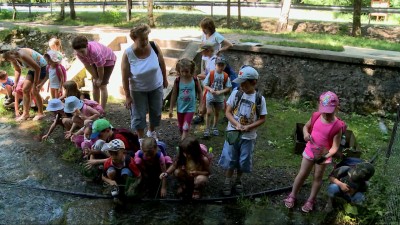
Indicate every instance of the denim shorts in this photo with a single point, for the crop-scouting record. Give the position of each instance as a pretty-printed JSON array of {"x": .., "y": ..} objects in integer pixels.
[
  {"x": 335, "y": 191},
  {"x": 238, "y": 156},
  {"x": 215, "y": 105},
  {"x": 124, "y": 171},
  {"x": 143, "y": 102}
]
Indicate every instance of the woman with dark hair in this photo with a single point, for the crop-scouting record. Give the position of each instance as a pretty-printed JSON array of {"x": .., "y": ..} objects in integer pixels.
[
  {"x": 99, "y": 60},
  {"x": 36, "y": 65},
  {"x": 143, "y": 78}
]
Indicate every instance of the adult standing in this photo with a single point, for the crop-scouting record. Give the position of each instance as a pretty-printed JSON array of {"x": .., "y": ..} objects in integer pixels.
[
  {"x": 99, "y": 60},
  {"x": 143, "y": 78},
  {"x": 36, "y": 65}
]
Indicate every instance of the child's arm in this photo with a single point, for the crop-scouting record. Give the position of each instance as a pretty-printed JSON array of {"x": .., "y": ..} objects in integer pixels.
[
  {"x": 163, "y": 192},
  {"x": 229, "y": 116},
  {"x": 335, "y": 145},
  {"x": 198, "y": 92},
  {"x": 109, "y": 181},
  {"x": 344, "y": 187},
  {"x": 94, "y": 114},
  {"x": 223, "y": 91},
  {"x": 306, "y": 128},
  {"x": 170, "y": 170},
  {"x": 174, "y": 96},
  {"x": 254, "y": 125},
  {"x": 51, "y": 129}
]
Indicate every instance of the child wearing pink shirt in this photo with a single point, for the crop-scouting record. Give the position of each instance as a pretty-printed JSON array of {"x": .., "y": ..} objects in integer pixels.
[{"x": 99, "y": 60}]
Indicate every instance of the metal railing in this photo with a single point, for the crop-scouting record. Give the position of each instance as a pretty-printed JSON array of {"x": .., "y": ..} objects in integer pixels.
[{"x": 213, "y": 4}]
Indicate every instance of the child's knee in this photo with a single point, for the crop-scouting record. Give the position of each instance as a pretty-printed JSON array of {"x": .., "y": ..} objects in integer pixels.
[
  {"x": 200, "y": 180},
  {"x": 179, "y": 173},
  {"x": 333, "y": 190}
]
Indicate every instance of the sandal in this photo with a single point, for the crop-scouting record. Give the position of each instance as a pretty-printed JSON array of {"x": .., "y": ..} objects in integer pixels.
[
  {"x": 290, "y": 201},
  {"x": 22, "y": 118},
  {"x": 38, "y": 117},
  {"x": 196, "y": 194},
  {"x": 308, "y": 206}
]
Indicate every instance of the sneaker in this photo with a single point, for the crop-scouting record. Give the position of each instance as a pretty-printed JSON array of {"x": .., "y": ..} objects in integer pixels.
[
  {"x": 9, "y": 100},
  {"x": 115, "y": 191},
  {"x": 152, "y": 134},
  {"x": 198, "y": 119},
  {"x": 227, "y": 189},
  {"x": 215, "y": 132},
  {"x": 206, "y": 133},
  {"x": 239, "y": 187}
]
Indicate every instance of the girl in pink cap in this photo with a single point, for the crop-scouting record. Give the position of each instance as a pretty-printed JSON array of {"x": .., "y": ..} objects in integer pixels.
[{"x": 322, "y": 133}]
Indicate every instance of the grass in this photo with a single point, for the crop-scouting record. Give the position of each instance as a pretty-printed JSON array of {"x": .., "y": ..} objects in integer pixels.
[{"x": 250, "y": 26}]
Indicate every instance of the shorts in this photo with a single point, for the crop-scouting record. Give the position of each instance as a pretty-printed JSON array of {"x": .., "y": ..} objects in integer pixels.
[
  {"x": 215, "y": 105},
  {"x": 308, "y": 154},
  {"x": 184, "y": 121},
  {"x": 122, "y": 172},
  {"x": 31, "y": 74},
  {"x": 107, "y": 72},
  {"x": 143, "y": 102},
  {"x": 238, "y": 156}
]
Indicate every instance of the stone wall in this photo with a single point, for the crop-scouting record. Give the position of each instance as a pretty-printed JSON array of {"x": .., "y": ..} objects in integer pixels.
[{"x": 363, "y": 85}]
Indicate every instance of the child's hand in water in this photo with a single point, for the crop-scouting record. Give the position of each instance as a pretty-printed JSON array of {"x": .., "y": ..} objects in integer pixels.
[{"x": 163, "y": 192}]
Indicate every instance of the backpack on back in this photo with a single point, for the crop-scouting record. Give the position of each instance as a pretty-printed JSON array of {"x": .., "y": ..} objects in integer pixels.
[
  {"x": 133, "y": 140},
  {"x": 212, "y": 74},
  {"x": 95, "y": 105},
  {"x": 178, "y": 79},
  {"x": 238, "y": 97}
]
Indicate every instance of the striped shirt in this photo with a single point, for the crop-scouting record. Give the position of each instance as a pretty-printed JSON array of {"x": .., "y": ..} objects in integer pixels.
[{"x": 98, "y": 54}]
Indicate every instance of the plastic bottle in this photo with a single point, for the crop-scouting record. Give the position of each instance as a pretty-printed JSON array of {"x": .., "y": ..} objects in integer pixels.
[
  {"x": 343, "y": 140},
  {"x": 382, "y": 126}
]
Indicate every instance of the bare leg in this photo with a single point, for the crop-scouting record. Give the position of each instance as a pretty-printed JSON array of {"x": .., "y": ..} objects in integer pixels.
[
  {"x": 216, "y": 117},
  {"x": 26, "y": 88},
  {"x": 305, "y": 169},
  {"x": 39, "y": 101},
  {"x": 96, "y": 92},
  {"x": 317, "y": 182},
  {"x": 104, "y": 96}
]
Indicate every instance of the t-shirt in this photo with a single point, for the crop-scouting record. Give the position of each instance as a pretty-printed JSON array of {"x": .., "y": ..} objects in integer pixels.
[
  {"x": 132, "y": 166},
  {"x": 186, "y": 97},
  {"x": 218, "y": 85},
  {"x": 158, "y": 161},
  {"x": 342, "y": 174},
  {"x": 246, "y": 112},
  {"x": 98, "y": 54},
  {"x": 216, "y": 38},
  {"x": 9, "y": 81}
]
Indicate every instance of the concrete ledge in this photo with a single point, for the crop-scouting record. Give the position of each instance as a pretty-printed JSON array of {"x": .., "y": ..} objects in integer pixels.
[{"x": 344, "y": 57}]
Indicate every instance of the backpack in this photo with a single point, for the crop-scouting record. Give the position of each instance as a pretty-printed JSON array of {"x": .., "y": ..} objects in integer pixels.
[
  {"x": 238, "y": 97},
  {"x": 95, "y": 105},
  {"x": 339, "y": 125},
  {"x": 177, "y": 80},
  {"x": 162, "y": 147},
  {"x": 212, "y": 72},
  {"x": 231, "y": 73},
  {"x": 133, "y": 140}
]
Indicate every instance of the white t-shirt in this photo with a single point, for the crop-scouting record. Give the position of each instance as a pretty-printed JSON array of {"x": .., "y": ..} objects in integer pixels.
[
  {"x": 216, "y": 38},
  {"x": 53, "y": 78},
  {"x": 246, "y": 112}
]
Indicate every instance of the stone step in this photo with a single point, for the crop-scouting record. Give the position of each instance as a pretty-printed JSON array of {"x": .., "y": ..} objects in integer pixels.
[
  {"x": 172, "y": 44},
  {"x": 170, "y": 62},
  {"x": 172, "y": 52}
]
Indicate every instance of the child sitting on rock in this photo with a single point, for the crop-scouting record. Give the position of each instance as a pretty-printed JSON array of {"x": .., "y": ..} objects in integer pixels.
[
  {"x": 152, "y": 160},
  {"x": 191, "y": 168},
  {"x": 6, "y": 87}
]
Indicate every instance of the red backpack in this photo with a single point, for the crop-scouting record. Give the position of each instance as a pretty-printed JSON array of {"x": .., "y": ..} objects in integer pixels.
[
  {"x": 177, "y": 80},
  {"x": 339, "y": 125},
  {"x": 133, "y": 140},
  {"x": 212, "y": 72}
]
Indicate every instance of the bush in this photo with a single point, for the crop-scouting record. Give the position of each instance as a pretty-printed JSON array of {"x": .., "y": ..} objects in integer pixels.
[{"x": 5, "y": 14}]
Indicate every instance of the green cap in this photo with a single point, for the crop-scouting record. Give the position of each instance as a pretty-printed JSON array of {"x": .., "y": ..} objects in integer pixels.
[{"x": 98, "y": 126}]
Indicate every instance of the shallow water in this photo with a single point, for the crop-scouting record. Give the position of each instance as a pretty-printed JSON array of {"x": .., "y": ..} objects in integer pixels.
[{"x": 26, "y": 169}]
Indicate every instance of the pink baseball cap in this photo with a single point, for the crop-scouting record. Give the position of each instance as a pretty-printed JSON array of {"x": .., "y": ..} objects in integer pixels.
[{"x": 328, "y": 102}]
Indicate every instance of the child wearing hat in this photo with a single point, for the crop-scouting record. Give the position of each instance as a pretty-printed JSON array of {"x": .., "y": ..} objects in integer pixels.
[
  {"x": 245, "y": 111},
  {"x": 217, "y": 83},
  {"x": 119, "y": 166},
  {"x": 56, "y": 106},
  {"x": 55, "y": 72},
  {"x": 349, "y": 183},
  {"x": 321, "y": 145},
  {"x": 80, "y": 111}
]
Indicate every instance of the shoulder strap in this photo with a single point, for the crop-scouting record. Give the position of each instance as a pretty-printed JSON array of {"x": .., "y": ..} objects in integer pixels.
[
  {"x": 211, "y": 77},
  {"x": 225, "y": 78},
  {"x": 238, "y": 96},
  {"x": 154, "y": 47},
  {"x": 196, "y": 88},
  {"x": 258, "y": 103},
  {"x": 339, "y": 125},
  {"x": 314, "y": 118},
  {"x": 177, "y": 80}
]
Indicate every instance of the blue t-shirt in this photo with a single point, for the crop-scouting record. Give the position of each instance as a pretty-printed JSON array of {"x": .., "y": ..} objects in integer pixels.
[
  {"x": 186, "y": 97},
  {"x": 8, "y": 82}
]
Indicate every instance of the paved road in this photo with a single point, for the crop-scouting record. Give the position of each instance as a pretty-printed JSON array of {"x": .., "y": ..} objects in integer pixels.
[{"x": 194, "y": 34}]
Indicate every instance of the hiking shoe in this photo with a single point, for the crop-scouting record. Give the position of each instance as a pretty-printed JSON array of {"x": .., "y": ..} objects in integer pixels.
[
  {"x": 206, "y": 133},
  {"x": 239, "y": 187},
  {"x": 215, "y": 132},
  {"x": 198, "y": 119},
  {"x": 9, "y": 100},
  {"x": 227, "y": 189}
]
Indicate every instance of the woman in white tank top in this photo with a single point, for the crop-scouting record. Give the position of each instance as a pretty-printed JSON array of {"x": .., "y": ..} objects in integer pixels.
[{"x": 143, "y": 77}]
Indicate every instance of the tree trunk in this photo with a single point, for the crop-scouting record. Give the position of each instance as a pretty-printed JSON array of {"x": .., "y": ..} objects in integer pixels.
[
  {"x": 357, "y": 18},
  {"x": 284, "y": 16},
  {"x": 72, "y": 9},
  {"x": 14, "y": 16},
  {"x": 128, "y": 10},
  {"x": 150, "y": 13},
  {"x": 228, "y": 14},
  {"x": 62, "y": 12},
  {"x": 239, "y": 14}
]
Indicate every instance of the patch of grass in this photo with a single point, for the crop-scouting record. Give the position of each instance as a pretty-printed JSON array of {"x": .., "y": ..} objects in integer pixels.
[
  {"x": 306, "y": 45},
  {"x": 72, "y": 154}
]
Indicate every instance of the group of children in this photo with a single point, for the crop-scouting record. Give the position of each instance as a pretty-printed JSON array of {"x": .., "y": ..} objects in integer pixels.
[{"x": 124, "y": 158}]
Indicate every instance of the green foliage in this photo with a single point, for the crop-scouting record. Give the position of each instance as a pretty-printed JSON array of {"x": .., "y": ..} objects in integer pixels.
[
  {"x": 335, "y": 2},
  {"x": 6, "y": 14},
  {"x": 112, "y": 16},
  {"x": 72, "y": 154}
]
